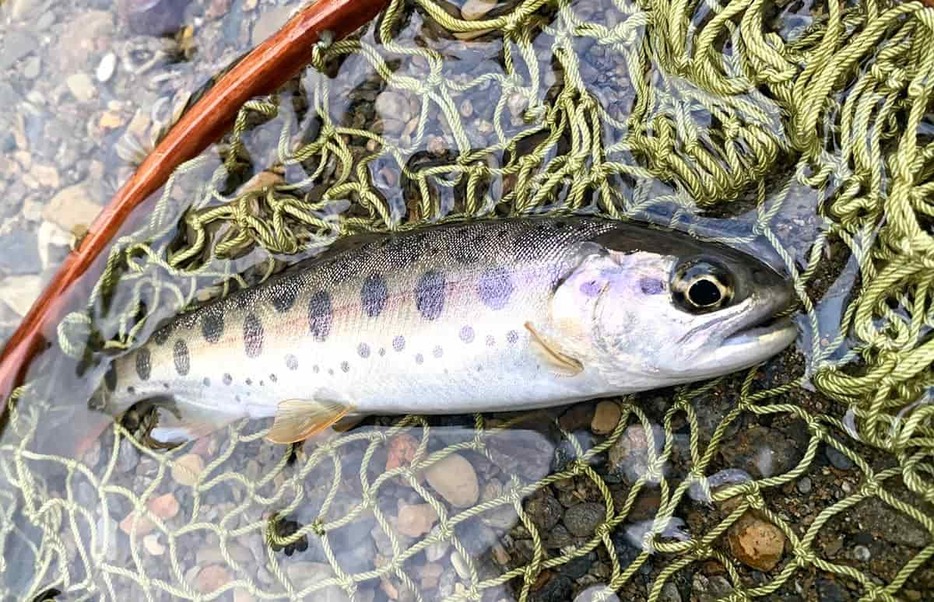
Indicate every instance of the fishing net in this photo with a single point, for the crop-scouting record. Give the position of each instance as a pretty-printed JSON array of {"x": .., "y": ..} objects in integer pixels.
[{"x": 798, "y": 130}]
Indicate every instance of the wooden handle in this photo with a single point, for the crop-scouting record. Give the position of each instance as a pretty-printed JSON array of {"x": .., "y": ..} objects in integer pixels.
[{"x": 262, "y": 71}]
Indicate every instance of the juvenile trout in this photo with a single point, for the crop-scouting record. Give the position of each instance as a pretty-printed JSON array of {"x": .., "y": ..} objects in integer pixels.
[{"x": 480, "y": 316}]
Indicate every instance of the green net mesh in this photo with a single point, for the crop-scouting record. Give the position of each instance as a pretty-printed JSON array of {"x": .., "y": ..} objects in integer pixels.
[{"x": 804, "y": 126}]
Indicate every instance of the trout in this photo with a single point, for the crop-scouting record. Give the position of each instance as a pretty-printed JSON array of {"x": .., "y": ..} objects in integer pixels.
[{"x": 469, "y": 317}]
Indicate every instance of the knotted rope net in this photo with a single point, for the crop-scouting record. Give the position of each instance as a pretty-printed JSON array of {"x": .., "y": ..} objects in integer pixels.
[{"x": 803, "y": 131}]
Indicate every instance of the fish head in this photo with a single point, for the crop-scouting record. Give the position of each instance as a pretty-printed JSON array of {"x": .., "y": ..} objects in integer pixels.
[{"x": 664, "y": 308}]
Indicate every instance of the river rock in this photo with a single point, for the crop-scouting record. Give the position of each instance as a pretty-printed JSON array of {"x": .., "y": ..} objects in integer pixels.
[
  {"x": 455, "y": 480},
  {"x": 756, "y": 543},
  {"x": 416, "y": 519},
  {"x": 605, "y": 418}
]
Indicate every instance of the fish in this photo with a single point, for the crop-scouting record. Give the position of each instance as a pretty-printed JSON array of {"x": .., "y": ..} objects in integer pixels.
[{"x": 475, "y": 316}]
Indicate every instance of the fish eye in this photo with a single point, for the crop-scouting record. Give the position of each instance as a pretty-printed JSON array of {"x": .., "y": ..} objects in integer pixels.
[{"x": 702, "y": 286}]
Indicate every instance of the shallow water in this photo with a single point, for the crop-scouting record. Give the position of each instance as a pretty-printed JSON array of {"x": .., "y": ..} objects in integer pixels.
[{"x": 212, "y": 499}]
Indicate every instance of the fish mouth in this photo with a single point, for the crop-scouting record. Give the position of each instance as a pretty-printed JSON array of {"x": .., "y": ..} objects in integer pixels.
[{"x": 758, "y": 337}]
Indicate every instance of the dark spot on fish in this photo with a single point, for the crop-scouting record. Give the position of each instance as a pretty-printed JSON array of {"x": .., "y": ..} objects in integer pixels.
[
  {"x": 398, "y": 343},
  {"x": 162, "y": 335},
  {"x": 495, "y": 287},
  {"x": 249, "y": 381},
  {"x": 419, "y": 358},
  {"x": 212, "y": 326},
  {"x": 331, "y": 371},
  {"x": 373, "y": 295},
  {"x": 143, "y": 364},
  {"x": 283, "y": 297},
  {"x": 490, "y": 341},
  {"x": 345, "y": 366},
  {"x": 651, "y": 286},
  {"x": 206, "y": 382},
  {"x": 110, "y": 377},
  {"x": 591, "y": 288},
  {"x": 227, "y": 379},
  {"x": 253, "y": 336},
  {"x": 273, "y": 378},
  {"x": 237, "y": 398},
  {"x": 181, "y": 357},
  {"x": 165, "y": 386},
  {"x": 291, "y": 362},
  {"x": 320, "y": 315},
  {"x": 131, "y": 390},
  {"x": 363, "y": 350},
  {"x": 243, "y": 299},
  {"x": 512, "y": 337},
  {"x": 315, "y": 369},
  {"x": 467, "y": 334},
  {"x": 262, "y": 384},
  {"x": 382, "y": 351},
  {"x": 437, "y": 351},
  {"x": 429, "y": 294},
  {"x": 468, "y": 252}
]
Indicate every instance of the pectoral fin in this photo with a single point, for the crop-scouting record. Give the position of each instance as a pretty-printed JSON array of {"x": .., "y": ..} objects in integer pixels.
[
  {"x": 299, "y": 419},
  {"x": 173, "y": 427},
  {"x": 561, "y": 363}
]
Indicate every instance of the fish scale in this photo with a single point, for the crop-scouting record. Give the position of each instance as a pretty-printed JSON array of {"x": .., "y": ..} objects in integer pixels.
[{"x": 448, "y": 319}]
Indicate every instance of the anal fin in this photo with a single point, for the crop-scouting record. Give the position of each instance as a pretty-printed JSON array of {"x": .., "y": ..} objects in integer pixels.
[
  {"x": 299, "y": 419},
  {"x": 561, "y": 363}
]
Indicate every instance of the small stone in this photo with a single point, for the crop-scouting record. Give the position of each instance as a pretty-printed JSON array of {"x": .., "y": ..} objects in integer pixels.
[
  {"x": 187, "y": 469},
  {"x": 474, "y": 10},
  {"x": 20, "y": 292},
  {"x": 393, "y": 105},
  {"x": 582, "y": 519},
  {"x": 32, "y": 67},
  {"x": 153, "y": 17},
  {"x": 416, "y": 520},
  {"x": 163, "y": 507},
  {"x": 556, "y": 589},
  {"x": 15, "y": 45},
  {"x": 710, "y": 589},
  {"x": 127, "y": 457},
  {"x": 837, "y": 459},
  {"x": 153, "y": 545},
  {"x": 81, "y": 86},
  {"x": 577, "y": 417},
  {"x": 669, "y": 593},
  {"x": 211, "y": 578},
  {"x": 269, "y": 22},
  {"x": 430, "y": 575},
  {"x": 110, "y": 120},
  {"x": 306, "y": 574},
  {"x": 107, "y": 66},
  {"x": 19, "y": 252},
  {"x": 437, "y": 550},
  {"x": 242, "y": 595},
  {"x": 455, "y": 480},
  {"x": 804, "y": 485},
  {"x": 597, "y": 592},
  {"x": 862, "y": 553},
  {"x": 630, "y": 455},
  {"x": 72, "y": 206},
  {"x": 401, "y": 452},
  {"x": 756, "y": 543},
  {"x": 605, "y": 418}
]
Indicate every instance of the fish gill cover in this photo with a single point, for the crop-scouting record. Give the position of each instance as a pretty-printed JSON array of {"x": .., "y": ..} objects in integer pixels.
[{"x": 799, "y": 131}]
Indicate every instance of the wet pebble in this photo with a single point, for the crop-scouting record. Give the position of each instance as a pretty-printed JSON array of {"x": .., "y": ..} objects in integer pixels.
[
  {"x": 307, "y": 574},
  {"x": 582, "y": 519},
  {"x": 804, "y": 485},
  {"x": 81, "y": 86},
  {"x": 669, "y": 593},
  {"x": 605, "y": 418},
  {"x": 629, "y": 456},
  {"x": 187, "y": 469},
  {"x": 544, "y": 511},
  {"x": 416, "y": 519},
  {"x": 164, "y": 507},
  {"x": 153, "y": 17},
  {"x": 756, "y": 543},
  {"x": 211, "y": 578},
  {"x": 152, "y": 545},
  {"x": 556, "y": 589},
  {"x": 437, "y": 550},
  {"x": 761, "y": 451},
  {"x": 430, "y": 575},
  {"x": 455, "y": 480},
  {"x": 596, "y": 593},
  {"x": 524, "y": 453},
  {"x": 107, "y": 66},
  {"x": 837, "y": 459},
  {"x": 709, "y": 589},
  {"x": 127, "y": 457},
  {"x": 15, "y": 45},
  {"x": 474, "y": 10},
  {"x": 862, "y": 553},
  {"x": 19, "y": 252}
]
